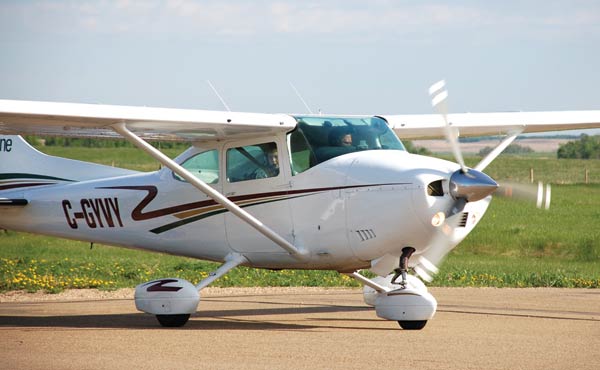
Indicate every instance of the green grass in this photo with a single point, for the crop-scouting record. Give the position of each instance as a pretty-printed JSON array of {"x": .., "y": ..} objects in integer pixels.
[
  {"x": 513, "y": 228},
  {"x": 546, "y": 168},
  {"x": 33, "y": 262},
  {"x": 514, "y": 245},
  {"x": 518, "y": 245},
  {"x": 512, "y": 271},
  {"x": 130, "y": 158}
]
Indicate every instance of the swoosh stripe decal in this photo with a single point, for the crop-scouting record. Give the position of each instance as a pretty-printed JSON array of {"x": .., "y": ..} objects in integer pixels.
[
  {"x": 138, "y": 213},
  {"x": 191, "y": 212},
  {"x": 177, "y": 224}
]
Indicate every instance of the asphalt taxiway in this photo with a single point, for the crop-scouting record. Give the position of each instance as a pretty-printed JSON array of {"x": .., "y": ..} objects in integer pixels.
[{"x": 297, "y": 328}]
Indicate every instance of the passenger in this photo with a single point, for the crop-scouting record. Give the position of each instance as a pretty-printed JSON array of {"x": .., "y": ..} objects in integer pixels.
[
  {"x": 273, "y": 161},
  {"x": 272, "y": 167}
]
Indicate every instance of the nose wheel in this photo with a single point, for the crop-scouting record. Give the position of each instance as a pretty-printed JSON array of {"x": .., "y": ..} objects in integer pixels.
[
  {"x": 173, "y": 321},
  {"x": 412, "y": 325},
  {"x": 402, "y": 270}
]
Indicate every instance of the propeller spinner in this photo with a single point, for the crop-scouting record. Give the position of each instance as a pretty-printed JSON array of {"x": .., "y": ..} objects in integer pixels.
[{"x": 471, "y": 186}]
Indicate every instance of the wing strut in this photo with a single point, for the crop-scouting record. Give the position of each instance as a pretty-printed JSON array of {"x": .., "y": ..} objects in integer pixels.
[
  {"x": 498, "y": 150},
  {"x": 121, "y": 129}
]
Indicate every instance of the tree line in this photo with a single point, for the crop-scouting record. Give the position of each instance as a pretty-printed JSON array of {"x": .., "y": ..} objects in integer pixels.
[
  {"x": 587, "y": 147},
  {"x": 96, "y": 143}
]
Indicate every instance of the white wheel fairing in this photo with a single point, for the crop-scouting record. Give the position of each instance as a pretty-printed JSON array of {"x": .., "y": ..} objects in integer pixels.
[{"x": 170, "y": 296}]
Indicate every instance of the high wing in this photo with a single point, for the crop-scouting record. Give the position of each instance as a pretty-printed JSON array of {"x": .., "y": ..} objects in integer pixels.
[
  {"x": 94, "y": 120},
  {"x": 424, "y": 126},
  {"x": 91, "y": 120}
]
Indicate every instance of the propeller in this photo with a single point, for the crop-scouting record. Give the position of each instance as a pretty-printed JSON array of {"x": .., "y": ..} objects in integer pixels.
[
  {"x": 472, "y": 184},
  {"x": 467, "y": 185}
]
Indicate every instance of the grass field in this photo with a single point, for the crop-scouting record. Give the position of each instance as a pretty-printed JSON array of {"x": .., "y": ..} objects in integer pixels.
[
  {"x": 546, "y": 168},
  {"x": 130, "y": 158},
  {"x": 514, "y": 245}
]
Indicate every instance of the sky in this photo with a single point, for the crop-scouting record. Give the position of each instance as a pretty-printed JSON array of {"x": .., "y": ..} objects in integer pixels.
[{"x": 343, "y": 56}]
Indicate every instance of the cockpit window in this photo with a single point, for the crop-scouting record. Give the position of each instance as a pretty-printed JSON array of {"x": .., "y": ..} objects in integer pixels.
[
  {"x": 317, "y": 139},
  {"x": 204, "y": 166}
]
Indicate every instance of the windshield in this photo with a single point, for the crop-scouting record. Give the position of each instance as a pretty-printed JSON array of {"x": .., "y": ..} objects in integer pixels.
[{"x": 317, "y": 139}]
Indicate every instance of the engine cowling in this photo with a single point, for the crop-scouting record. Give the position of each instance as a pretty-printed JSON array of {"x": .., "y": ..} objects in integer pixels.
[{"x": 169, "y": 296}]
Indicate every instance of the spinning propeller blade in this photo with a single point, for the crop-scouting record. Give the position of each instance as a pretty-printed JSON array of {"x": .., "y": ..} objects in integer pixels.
[
  {"x": 539, "y": 193},
  {"x": 439, "y": 94},
  {"x": 442, "y": 244}
]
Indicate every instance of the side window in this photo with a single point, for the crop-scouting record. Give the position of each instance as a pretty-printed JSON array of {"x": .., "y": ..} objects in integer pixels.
[
  {"x": 252, "y": 162},
  {"x": 301, "y": 156},
  {"x": 204, "y": 166}
]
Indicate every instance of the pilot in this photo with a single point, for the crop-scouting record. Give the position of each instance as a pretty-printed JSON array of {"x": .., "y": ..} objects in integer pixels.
[
  {"x": 346, "y": 140},
  {"x": 340, "y": 138}
]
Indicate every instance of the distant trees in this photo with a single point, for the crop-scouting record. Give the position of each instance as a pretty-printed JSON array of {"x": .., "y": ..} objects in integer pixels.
[
  {"x": 511, "y": 149},
  {"x": 587, "y": 147}
]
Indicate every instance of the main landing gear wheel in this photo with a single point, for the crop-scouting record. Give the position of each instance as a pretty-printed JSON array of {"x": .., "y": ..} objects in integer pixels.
[
  {"x": 412, "y": 325},
  {"x": 173, "y": 321}
]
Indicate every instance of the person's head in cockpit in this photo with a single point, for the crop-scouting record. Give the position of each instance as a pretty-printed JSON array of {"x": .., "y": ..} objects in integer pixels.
[
  {"x": 341, "y": 138},
  {"x": 273, "y": 160}
]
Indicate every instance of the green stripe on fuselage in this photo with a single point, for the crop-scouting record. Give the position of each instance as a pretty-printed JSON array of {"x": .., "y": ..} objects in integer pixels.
[{"x": 15, "y": 176}]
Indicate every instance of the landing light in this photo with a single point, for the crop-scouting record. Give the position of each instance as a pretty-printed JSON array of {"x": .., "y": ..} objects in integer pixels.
[{"x": 438, "y": 219}]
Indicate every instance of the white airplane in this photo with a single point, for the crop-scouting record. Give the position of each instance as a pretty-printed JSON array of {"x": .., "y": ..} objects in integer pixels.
[{"x": 269, "y": 191}]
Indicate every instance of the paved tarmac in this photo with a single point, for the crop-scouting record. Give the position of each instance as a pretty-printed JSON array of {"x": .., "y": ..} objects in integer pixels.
[{"x": 308, "y": 328}]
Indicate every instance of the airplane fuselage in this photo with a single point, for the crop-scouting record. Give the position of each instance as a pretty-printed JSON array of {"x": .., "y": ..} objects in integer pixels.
[{"x": 347, "y": 212}]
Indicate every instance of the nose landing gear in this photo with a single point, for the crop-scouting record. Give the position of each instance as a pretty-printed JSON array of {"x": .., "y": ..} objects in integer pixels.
[
  {"x": 406, "y": 301},
  {"x": 402, "y": 270}
]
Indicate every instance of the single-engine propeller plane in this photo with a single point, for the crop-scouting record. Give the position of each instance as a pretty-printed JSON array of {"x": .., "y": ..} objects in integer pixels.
[{"x": 272, "y": 191}]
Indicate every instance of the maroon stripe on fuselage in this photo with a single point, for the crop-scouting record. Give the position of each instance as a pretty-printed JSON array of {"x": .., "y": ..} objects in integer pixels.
[
  {"x": 138, "y": 213},
  {"x": 25, "y": 185}
]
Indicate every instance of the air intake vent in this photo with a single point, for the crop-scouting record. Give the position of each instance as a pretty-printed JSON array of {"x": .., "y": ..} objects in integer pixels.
[
  {"x": 463, "y": 219},
  {"x": 435, "y": 189},
  {"x": 366, "y": 234}
]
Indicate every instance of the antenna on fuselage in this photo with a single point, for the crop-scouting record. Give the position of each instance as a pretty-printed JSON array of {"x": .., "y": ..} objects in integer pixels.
[
  {"x": 218, "y": 96},
  {"x": 301, "y": 99}
]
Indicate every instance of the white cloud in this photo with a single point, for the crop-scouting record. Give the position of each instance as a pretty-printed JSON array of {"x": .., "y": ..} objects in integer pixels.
[{"x": 379, "y": 18}]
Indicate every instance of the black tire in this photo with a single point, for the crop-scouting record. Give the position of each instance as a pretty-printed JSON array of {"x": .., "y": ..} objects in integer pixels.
[
  {"x": 412, "y": 325},
  {"x": 173, "y": 321}
]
